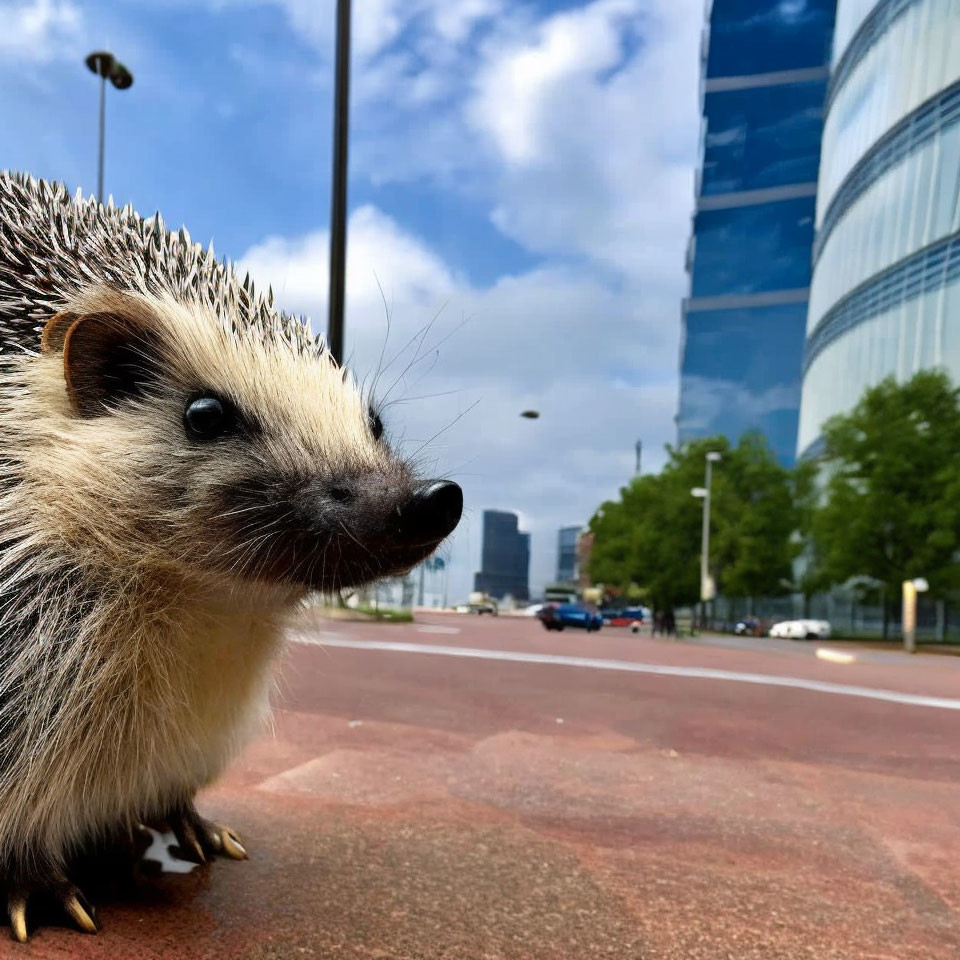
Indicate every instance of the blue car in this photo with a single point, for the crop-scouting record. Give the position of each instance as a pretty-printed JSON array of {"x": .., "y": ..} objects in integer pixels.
[{"x": 558, "y": 616}]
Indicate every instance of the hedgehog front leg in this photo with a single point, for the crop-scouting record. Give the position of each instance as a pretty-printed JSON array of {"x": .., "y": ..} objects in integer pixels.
[
  {"x": 199, "y": 839},
  {"x": 55, "y": 886}
]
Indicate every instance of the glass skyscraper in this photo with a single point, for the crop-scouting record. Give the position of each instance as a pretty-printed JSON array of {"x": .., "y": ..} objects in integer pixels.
[
  {"x": 765, "y": 70},
  {"x": 505, "y": 560},
  {"x": 567, "y": 540},
  {"x": 885, "y": 297}
]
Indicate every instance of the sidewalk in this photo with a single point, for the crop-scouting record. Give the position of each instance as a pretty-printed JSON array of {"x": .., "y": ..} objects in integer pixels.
[{"x": 861, "y": 650}]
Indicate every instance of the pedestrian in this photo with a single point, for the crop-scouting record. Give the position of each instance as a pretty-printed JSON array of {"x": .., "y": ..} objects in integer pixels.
[{"x": 670, "y": 623}]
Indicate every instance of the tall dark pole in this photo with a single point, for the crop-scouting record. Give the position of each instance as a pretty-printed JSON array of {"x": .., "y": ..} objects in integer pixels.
[
  {"x": 338, "y": 204},
  {"x": 639, "y": 455},
  {"x": 103, "y": 126}
]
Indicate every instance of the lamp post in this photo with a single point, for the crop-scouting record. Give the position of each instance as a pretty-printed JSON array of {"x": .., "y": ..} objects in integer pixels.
[
  {"x": 106, "y": 66},
  {"x": 338, "y": 203},
  {"x": 708, "y": 589},
  {"x": 910, "y": 590}
]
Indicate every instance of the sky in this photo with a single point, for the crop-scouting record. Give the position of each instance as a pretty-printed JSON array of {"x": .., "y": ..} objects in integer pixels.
[{"x": 521, "y": 186}]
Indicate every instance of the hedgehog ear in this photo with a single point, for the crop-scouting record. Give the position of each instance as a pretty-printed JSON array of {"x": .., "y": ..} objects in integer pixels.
[
  {"x": 107, "y": 358},
  {"x": 55, "y": 332}
]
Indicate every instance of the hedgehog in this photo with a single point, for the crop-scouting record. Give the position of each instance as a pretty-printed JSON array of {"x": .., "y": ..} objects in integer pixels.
[{"x": 181, "y": 465}]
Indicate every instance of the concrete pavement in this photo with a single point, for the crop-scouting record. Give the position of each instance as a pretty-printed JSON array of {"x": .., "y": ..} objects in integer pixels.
[{"x": 412, "y": 804}]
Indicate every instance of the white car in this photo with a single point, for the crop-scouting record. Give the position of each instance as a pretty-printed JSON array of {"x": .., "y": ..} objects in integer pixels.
[{"x": 801, "y": 630}]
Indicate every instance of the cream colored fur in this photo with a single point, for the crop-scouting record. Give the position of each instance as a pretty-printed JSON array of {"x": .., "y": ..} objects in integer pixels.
[{"x": 141, "y": 669}]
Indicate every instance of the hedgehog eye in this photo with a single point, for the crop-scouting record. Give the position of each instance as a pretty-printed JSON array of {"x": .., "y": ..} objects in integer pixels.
[
  {"x": 376, "y": 425},
  {"x": 207, "y": 417}
]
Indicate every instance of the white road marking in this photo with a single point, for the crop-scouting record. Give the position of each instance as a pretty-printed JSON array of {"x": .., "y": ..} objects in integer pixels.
[
  {"x": 629, "y": 666},
  {"x": 436, "y": 629},
  {"x": 835, "y": 656}
]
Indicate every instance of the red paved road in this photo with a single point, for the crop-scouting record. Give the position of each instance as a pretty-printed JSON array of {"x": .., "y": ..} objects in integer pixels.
[{"x": 412, "y": 807}]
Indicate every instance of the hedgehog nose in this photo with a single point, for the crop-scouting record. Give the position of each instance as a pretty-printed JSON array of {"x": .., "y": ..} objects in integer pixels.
[{"x": 431, "y": 513}]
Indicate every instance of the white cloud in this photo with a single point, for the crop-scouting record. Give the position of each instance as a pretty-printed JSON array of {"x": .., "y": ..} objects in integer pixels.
[
  {"x": 39, "y": 30},
  {"x": 455, "y": 21},
  {"x": 599, "y": 143},
  {"x": 556, "y": 339},
  {"x": 578, "y": 130},
  {"x": 376, "y": 24},
  {"x": 381, "y": 256},
  {"x": 519, "y": 87}
]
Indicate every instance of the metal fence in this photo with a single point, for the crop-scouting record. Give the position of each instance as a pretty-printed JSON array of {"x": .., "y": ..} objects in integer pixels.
[{"x": 937, "y": 621}]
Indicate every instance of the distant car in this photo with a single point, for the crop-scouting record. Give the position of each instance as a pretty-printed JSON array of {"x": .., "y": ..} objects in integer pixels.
[
  {"x": 747, "y": 627},
  {"x": 556, "y": 617},
  {"x": 801, "y": 630},
  {"x": 624, "y": 618},
  {"x": 483, "y": 606}
]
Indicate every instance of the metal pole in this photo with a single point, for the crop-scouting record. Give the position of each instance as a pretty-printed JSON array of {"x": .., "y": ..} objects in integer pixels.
[
  {"x": 705, "y": 545},
  {"x": 103, "y": 124},
  {"x": 705, "y": 536},
  {"x": 639, "y": 455},
  {"x": 338, "y": 204},
  {"x": 909, "y": 616}
]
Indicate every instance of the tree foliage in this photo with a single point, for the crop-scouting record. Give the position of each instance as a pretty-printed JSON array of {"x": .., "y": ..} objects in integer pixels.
[
  {"x": 650, "y": 537},
  {"x": 890, "y": 505},
  {"x": 881, "y": 505}
]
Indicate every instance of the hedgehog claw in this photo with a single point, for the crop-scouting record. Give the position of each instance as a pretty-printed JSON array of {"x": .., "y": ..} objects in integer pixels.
[
  {"x": 199, "y": 839},
  {"x": 69, "y": 897}
]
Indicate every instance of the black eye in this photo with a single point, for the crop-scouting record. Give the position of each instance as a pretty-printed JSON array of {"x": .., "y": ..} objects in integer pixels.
[
  {"x": 207, "y": 418},
  {"x": 376, "y": 425}
]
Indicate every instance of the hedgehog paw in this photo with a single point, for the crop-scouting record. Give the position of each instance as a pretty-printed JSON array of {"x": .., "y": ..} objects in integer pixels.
[
  {"x": 201, "y": 839},
  {"x": 56, "y": 888}
]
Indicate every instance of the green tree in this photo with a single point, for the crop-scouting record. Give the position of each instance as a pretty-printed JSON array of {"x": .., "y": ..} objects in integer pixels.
[
  {"x": 650, "y": 537},
  {"x": 890, "y": 508},
  {"x": 756, "y": 518}
]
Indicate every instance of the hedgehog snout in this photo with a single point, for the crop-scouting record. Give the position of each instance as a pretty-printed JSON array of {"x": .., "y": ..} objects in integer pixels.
[
  {"x": 431, "y": 513},
  {"x": 398, "y": 515}
]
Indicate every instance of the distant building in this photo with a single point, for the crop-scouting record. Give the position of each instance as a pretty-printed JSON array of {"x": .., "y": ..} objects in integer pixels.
[
  {"x": 584, "y": 549},
  {"x": 885, "y": 298},
  {"x": 505, "y": 565},
  {"x": 567, "y": 554},
  {"x": 765, "y": 70}
]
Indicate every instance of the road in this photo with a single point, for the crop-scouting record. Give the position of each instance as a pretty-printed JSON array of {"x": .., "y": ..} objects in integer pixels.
[{"x": 478, "y": 789}]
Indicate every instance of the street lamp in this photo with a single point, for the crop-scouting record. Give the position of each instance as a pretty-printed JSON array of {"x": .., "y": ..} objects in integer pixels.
[
  {"x": 708, "y": 589},
  {"x": 106, "y": 66},
  {"x": 530, "y": 414}
]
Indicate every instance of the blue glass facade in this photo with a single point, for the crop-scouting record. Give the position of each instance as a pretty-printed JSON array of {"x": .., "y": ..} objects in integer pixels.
[
  {"x": 762, "y": 137},
  {"x": 765, "y": 83},
  {"x": 505, "y": 560},
  {"x": 749, "y": 37},
  {"x": 753, "y": 249},
  {"x": 567, "y": 540}
]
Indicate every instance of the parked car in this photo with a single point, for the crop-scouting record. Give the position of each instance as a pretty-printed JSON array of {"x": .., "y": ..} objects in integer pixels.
[
  {"x": 623, "y": 618},
  {"x": 801, "y": 630},
  {"x": 747, "y": 627},
  {"x": 480, "y": 604},
  {"x": 558, "y": 616}
]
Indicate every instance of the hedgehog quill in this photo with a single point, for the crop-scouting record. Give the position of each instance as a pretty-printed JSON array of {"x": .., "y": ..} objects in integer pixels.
[{"x": 180, "y": 465}]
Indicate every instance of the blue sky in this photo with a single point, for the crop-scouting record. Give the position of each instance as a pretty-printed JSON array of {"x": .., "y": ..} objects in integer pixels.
[{"x": 524, "y": 169}]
